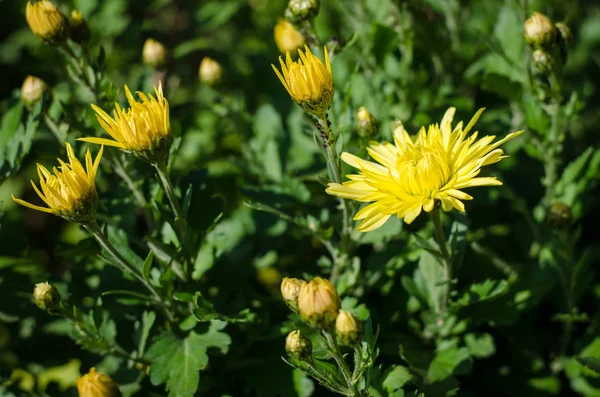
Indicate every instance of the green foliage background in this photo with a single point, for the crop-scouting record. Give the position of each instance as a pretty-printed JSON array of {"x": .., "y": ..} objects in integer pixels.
[{"x": 246, "y": 141}]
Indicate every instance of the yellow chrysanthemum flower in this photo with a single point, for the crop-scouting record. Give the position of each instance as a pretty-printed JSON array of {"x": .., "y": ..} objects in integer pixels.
[
  {"x": 287, "y": 37},
  {"x": 70, "y": 190},
  {"x": 143, "y": 129},
  {"x": 308, "y": 81},
  {"x": 413, "y": 174},
  {"x": 46, "y": 21}
]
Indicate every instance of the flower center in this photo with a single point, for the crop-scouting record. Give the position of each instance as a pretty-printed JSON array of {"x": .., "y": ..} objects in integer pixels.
[{"x": 422, "y": 171}]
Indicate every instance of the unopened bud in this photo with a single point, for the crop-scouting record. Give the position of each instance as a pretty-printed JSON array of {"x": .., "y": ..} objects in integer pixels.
[
  {"x": 97, "y": 384},
  {"x": 298, "y": 346},
  {"x": 47, "y": 297},
  {"x": 80, "y": 30},
  {"x": 287, "y": 38},
  {"x": 560, "y": 216},
  {"x": 47, "y": 21},
  {"x": 300, "y": 11},
  {"x": 318, "y": 303},
  {"x": 269, "y": 277},
  {"x": 539, "y": 31},
  {"x": 542, "y": 61},
  {"x": 154, "y": 54},
  {"x": 210, "y": 71},
  {"x": 290, "y": 289},
  {"x": 349, "y": 329},
  {"x": 32, "y": 90},
  {"x": 367, "y": 124}
]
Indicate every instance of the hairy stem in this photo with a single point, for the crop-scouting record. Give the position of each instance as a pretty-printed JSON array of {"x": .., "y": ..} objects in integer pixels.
[{"x": 333, "y": 348}]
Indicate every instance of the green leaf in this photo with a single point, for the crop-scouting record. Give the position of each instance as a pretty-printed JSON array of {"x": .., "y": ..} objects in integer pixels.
[
  {"x": 479, "y": 292},
  {"x": 97, "y": 334},
  {"x": 177, "y": 361},
  {"x": 119, "y": 239},
  {"x": 480, "y": 346},
  {"x": 592, "y": 363},
  {"x": 446, "y": 363},
  {"x": 429, "y": 278},
  {"x": 147, "y": 265},
  {"x": 148, "y": 319},
  {"x": 458, "y": 239},
  {"x": 397, "y": 378},
  {"x": 303, "y": 385}
]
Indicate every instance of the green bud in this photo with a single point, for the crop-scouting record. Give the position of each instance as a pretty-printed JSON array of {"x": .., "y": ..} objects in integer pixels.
[
  {"x": 300, "y": 11},
  {"x": 560, "y": 215},
  {"x": 298, "y": 346},
  {"x": 47, "y": 297}
]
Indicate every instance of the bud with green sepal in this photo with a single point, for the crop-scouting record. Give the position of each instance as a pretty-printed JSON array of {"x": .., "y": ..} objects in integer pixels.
[
  {"x": 290, "y": 289},
  {"x": 348, "y": 329},
  {"x": 540, "y": 32},
  {"x": 300, "y": 11},
  {"x": 318, "y": 303},
  {"x": 297, "y": 346},
  {"x": 47, "y": 297},
  {"x": 367, "y": 124}
]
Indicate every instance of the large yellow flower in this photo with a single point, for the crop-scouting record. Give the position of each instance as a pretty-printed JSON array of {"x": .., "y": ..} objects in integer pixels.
[
  {"x": 46, "y": 21},
  {"x": 143, "y": 129},
  {"x": 413, "y": 174},
  {"x": 70, "y": 190},
  {"x": 308, "y": 81}
]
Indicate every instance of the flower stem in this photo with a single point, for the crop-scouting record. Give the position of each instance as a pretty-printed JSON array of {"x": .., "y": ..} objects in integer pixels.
[
  {"x": 333, "y": 348},
  {"x": 447, "y": 259},
  {"x": 94, "y": 229},
  {"x": 165, "y": 180},
  {"x": 554, "y": 145}
]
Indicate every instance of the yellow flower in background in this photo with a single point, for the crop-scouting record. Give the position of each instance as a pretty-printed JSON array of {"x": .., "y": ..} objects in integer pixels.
[
  {"x": 97, "y": 384},
  {"x": 32, "y": 90},
  {"x": 70, "y": 190},
  {"x": 413, "y": 174},
  {"x": 46, "y": 21},
  {"x": 210, "y": 71},
  {"x": 287, "y": 37},
  {"x": 143, "y": 129},
  {"x": 308, "y": 81},
  {"x": 154, "y": 53}
]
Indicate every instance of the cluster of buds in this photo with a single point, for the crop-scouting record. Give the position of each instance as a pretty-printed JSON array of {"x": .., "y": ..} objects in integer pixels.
[
  {"x": 319, "y": 306},
  {"x": 97, "y": 384},
  {"x": 547, "y": 40},
  {"x": 47, "y": 22}
]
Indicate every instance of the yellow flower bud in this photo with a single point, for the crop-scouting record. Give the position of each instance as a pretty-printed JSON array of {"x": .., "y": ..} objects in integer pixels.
[
  {"x": 367, "y": 125},
  {"x": 46, "y": 21},
  {"x": 210, "y": 71},
  {"x": 318, "y": 303},
  {"x": 308, "y": 81},
  {"x": 32, "y": 90},
  {"x": 539, "y": 31},
  {"x": 349, "y": 329},
  {"x": 290, "y": 288},
  {"x": 97, "y": 384},
  {"x": 298, "y": 346},
  {"x": 300, "y": 11},
  {"x": 80, "y": 31},
  {"x": 287, "y": 37},
  {"x": 47, "y": 297},
  {"x": 154, "y": 54},
  {"x": 270, "y": 278},
  {"x": 560, "y": 215}
]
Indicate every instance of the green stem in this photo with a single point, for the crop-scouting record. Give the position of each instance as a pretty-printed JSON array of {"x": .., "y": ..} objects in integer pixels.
[
  {"x": 165, "y": 180},
  {"x": 94, "y": 229},
  {"x": 87, "y": 83},
  {"x": 552, "y": 158},
  {"x": 337, "y": 356},
  {"x": 447, "y": 259}
]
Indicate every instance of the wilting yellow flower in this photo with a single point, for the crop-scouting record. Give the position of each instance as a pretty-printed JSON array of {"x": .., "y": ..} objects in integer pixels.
[
  {"x": 143, "y": 129},
  {"x": 46, "y": 21},
  {"x": 287, "y": 37},
  {"x": 413, "y": 174},
  {"x": 154, "y": 53},
  {"x": 97, "y": 384},
  {"x": 70, "y": 191},
  {"x": 318, "y": 303},
  {"x": 32, "y": 90},
  {"x": 308, "y": 81}
]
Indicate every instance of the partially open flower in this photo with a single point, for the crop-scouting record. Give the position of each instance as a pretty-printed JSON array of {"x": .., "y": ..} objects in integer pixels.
[
  {"x": 70, "y": 190},
  {"x": 318, "y": 303},
  {"x": 154, "y": 54},
  {"x": 298, "y": 346},
  {"x": 143, "y": 129},
  {"x": 287, "y": 37},
  {"x": 32, "y": 90},
  {"x": 349, "y": 329},
  {"x": 80, "y": 30},
  {"x": 539, "y": 31},
  {"x": 210, "y": 71},
  {"x": 47, "y": 21},
  {"x": 46, "y": 297},
  {"x": 97, "y": 384},
  {"x": 290, "y": 289},
  {"x": 308, "y": 81}
]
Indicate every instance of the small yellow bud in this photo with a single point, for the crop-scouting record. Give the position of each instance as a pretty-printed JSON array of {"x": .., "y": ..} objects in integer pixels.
[
  {"x": 287, "y": 37},
  {"x": 300, "y": 11},
  {"x": 154, "y": 54},
  {"x": 80, "y": 31},
  {"x": 318, "y": 303},
  {"x": 290, "y": 289},
  {"x": 210, "y": 71},
  {"x": 97, "y": 384},
  {"x": 32, "y": 90},
  {"x": 542, "y": 61},
  {"x": 348, "y": 328},
  {"x": 539, "y": 31},
  {"x": 270, "y": 278},
  {"x": 298, "y": 346},
  {"x": 560, "y": 216},
  {"x": 47, "y": 297},
  {"x": 367, "y": 124},
  {"x": 46, "y": 21}
]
